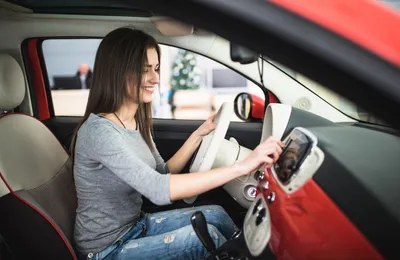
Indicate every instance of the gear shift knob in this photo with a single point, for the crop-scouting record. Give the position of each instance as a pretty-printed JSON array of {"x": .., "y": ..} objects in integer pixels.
[{"x": 199, "y": 225}]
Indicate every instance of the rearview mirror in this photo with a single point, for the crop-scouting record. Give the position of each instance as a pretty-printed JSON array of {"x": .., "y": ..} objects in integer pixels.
[
  {"x": 249, "y": 107},
  {"x": 242, "y": 55}
]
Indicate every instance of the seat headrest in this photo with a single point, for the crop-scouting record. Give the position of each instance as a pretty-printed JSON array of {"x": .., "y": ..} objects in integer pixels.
[{"x": 12, "y": 83}]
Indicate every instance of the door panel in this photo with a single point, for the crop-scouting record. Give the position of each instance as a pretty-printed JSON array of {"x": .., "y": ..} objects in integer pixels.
[{"x": 169, "y": 136}]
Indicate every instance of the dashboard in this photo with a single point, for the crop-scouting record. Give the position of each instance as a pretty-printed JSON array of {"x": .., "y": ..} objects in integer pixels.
[{"x": 333, "y": 194}]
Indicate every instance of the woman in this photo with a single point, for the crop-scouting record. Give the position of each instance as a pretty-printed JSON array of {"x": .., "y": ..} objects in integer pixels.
[{"x": 116, "y": 162}]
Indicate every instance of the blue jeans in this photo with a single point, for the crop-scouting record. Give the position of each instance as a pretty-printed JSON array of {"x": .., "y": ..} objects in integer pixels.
[{"x": 169, "y": 235}]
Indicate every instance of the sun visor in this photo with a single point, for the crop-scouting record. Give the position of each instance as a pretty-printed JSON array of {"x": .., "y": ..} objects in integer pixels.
[{"x": 171, "y": 27}]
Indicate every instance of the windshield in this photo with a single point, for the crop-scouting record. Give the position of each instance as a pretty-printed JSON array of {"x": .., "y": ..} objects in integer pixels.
[
  {"x": 340, "y": 103},
  {"x": 345, "y": 106},
  {"x": 392, "y": 3}
]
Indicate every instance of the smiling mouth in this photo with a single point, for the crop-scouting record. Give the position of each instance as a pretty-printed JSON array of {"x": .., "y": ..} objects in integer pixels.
[{"x": 148, "y": 89}]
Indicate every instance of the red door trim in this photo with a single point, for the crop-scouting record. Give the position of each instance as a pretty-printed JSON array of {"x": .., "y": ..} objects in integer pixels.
[{"x": 38, "y": 81}]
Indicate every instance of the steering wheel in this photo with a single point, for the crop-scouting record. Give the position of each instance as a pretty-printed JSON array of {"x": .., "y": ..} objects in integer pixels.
[{"x": 209, "y": 147}]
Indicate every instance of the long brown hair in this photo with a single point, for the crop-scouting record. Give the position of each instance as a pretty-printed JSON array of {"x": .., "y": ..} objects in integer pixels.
[{"x": 119, "y": 65}]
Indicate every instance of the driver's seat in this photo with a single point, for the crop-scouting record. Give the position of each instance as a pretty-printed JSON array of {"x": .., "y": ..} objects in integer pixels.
[{"x": 37, "y": 193}]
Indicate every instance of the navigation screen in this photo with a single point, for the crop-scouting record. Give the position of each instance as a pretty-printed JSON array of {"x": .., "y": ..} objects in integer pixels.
[{"x": 297, "y": 147}]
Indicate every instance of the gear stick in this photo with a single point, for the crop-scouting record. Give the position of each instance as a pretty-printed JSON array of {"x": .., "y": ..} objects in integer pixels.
[{"x": 199, "y": 225}]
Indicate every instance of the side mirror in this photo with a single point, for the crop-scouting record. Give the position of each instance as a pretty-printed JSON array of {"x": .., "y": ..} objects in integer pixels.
[
  {"x": 242, "y": 55},
  {"x": 249, "y": 107}
]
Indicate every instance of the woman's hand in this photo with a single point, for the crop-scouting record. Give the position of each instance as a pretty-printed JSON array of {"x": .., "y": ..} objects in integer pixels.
[
  {"x": 206, "y": 127},
  {"x": 188, "y": 185},
  {"x": 265, "y": 153}
]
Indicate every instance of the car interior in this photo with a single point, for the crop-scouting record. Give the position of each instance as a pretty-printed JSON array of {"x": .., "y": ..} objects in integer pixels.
[{"x": 323, "y": 144}]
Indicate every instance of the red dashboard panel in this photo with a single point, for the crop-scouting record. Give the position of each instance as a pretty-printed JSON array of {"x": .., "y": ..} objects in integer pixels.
[{"x": 308, "y": 225}]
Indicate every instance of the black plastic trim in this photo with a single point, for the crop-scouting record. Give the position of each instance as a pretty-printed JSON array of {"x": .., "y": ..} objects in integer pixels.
[
  {"x": 360, "y": 206},
  {"x": 236, "y": 248},
  {"x": 381, "y": 128},
  {"x": 28, "y": 73},
  {"x": 82, "y": 10},
  {"x": 28, "y": 234},
  {"x": 302, "y": 118}
]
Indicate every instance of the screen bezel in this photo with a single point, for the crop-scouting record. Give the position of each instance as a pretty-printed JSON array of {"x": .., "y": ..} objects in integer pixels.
[{"x": 293, "y": 135}]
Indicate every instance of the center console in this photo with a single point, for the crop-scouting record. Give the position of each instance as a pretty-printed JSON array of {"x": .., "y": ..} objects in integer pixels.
[
  {"x": 300, "y": 159},
  {"x": 249, "y": 243},
  {"x": 257, "y": 226}
]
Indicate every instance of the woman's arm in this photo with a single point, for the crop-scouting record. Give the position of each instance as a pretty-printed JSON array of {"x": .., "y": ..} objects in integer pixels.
[
  {"x": 188, "y": 185},
  {"x": 182, "y": 156}
]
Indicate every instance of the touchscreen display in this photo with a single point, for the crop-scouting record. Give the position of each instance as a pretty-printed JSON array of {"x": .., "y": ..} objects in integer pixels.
[{"x": 296, "y": 149}]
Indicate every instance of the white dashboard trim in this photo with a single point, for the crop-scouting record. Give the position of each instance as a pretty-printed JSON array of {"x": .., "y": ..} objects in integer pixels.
[
  {"x": 257, "y": 236},
  {"x": 276, "y": 119}
]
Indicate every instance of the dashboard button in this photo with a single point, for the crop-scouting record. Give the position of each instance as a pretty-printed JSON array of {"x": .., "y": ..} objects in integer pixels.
[
  {"x": 255, "y": 209},
  {"x": 271, "y": 197},
  {"x": 264, "y": 185},
  {"x": 251, "y": 192},
  {"x": 259, "y": 175},
  {"x": 260, "y": 216}
]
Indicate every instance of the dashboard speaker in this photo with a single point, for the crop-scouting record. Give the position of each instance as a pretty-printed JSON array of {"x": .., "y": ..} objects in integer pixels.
[{"x": 303, "y": 103}]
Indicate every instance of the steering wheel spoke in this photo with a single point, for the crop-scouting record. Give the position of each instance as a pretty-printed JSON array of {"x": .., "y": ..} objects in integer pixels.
[{"x": 208, "y": 150}]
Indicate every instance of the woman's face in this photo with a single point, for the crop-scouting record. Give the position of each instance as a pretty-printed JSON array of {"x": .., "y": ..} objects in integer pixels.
[{"x": 151, "y": 76}]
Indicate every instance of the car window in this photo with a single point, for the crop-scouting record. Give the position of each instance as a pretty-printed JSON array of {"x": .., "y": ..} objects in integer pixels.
[{"x": 191, "y": 86}]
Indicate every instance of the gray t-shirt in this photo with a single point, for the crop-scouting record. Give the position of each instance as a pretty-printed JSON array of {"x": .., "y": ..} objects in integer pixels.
[{"x": 113, "y": 168}]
